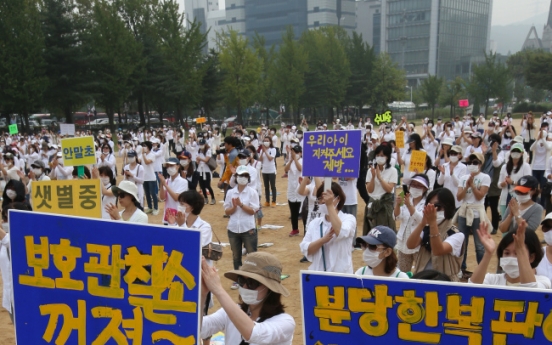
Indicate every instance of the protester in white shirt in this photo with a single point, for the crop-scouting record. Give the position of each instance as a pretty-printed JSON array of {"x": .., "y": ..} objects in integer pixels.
[
  {"x": 510, "y": 173},
  {"x": 545, "y": 266},
  {"x": 127, "y": 196},
  {"x": 172, "y": 187},
  {"x": 327, "y": 243},
  {"x": 240, "y": 204},
  {"x": 519, "y": 253},
  {"x": 452, "y": 171},
  {"x": 414, "y": 143},
  {"x": 268, "y": 159},
  {"x": 107, "y": 180},
  {"x": 150, "y": 179},
  {"x": 60, "y": 172},
  {"x": 293, "y": 169},
  {"x": 205, "y": 175},
  {"x": 475, "y": 145}
]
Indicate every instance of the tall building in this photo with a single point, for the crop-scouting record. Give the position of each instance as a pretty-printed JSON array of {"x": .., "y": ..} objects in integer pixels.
[
  {"x": 435, "y": 37},
  {"x": 331, "y": 12},
  {"x": 368, "y": 22}
]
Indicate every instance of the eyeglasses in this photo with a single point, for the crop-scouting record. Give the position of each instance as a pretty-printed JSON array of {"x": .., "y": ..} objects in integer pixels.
[
  {"x": 252, "y": 284},
  {"x": 474, "y": 162}
]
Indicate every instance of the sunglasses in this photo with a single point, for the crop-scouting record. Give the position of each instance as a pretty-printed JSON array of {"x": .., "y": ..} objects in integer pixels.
[
  {"x": 252, "y": 284},
  {"x": 121, "y": 195},
  {"x": 546, "y": 227},
  {"x": 474, "y": 162}
]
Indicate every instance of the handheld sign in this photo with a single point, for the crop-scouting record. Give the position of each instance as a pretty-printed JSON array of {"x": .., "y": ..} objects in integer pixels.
[
  {"x": 386, "y": 117},
  {"x": 417, "y": 161},
  {"x": 332, "y": 153},
  {"x": 78, "y": 151},
  {"x": 201, "y": 120},
  {"x": 399, "y": 139},
  {"x": 348, "y": 309},
  {"x": 70, "y": 197},
  {"x": 13, "y": 129},
  {"x": 463, "y": 103},
  {"x": 67, "y": 129},
  {"x": 83, "y": 281}
]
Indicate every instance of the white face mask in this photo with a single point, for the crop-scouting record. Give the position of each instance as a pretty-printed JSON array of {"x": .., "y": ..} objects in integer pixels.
[
  {"x": 510, "y": 266},
  {"x": 172, "y": 171},
  {"x": 523, "y": 198},
  {"x": 440, "y": 217},
  {"x": 381, "y": 160},
  {"x": 453, "y": 159},
  {"x": 249, "y": 297},
  {"x": 473, "y": 168},
  {"x": 266, "y": 144},
  {"x": 105, "y": 180},
  {"x": 548, "y": 237},
  {"x": 515, "y": 155},
  {"x": 323, "y": 209},
  {"x": 243, "y": 161},
  {"x": 242, "y": 181},
  {"x": 37, "y": 172},
  {"x": 184, "y": 162},
  {"x": 11, "y": 194},
  {"x": 6, "y": 227},
  {"x": 131, "y": 159},
  {"x": 416, "y": 192},
  {"x": 371, "y": 258}
]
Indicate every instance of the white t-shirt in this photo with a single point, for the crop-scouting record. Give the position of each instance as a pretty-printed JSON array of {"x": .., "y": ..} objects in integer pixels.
[
  {"x": 515, "y": 176},
  {"x": 542, "y": 282},
  {"x": 367, "y": 271},
  {"x": 479, "y": 180},
  {"x": 350, "y": 190},
  {"x": 269, "y": 166},
  {"x": 106, "y": 200},
  {"x": 545, "y": 266},
  {"x": 431, "y": 148},
  {"x": 178, "y": 185},
  {"x": 389, "y": 175},
  {"x": 293, "y": 183},
  {"x": 452, "y": 181},
  {"x": 149, "y": 173}
]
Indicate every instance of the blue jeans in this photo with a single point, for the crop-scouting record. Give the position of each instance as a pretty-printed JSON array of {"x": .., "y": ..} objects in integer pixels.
[
  {"x": 466, "y": 230},
  {"x": 237, "y": 241},
  {"x": 150, "y": 190}
]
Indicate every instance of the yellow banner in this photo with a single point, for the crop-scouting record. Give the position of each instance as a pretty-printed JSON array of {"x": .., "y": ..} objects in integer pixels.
[
  {"x": 399, "y": 139},
  {"x": 70, "y": 197},
  {"x": 417, "y": 161},
  {"x": 201, "y": 120},
  {"x": 78, "y": 151}
]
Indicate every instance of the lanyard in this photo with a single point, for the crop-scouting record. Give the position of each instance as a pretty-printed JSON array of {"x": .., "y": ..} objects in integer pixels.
[{"x": 323, "y": 252}]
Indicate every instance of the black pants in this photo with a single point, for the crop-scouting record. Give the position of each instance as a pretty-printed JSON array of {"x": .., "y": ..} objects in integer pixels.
[
  {"x": 171, "y": 145},
  {"x": 270, "y": 184},
  {"x": 205, "y": 185},
  {"x": 492, "y": 202},
  {"x": 361, "y": 186},
  {"x": 294, "y": 208}
]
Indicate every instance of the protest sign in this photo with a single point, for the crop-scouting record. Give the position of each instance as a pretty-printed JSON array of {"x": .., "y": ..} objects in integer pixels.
[
  {"x": 71, "y": 197},
  {"x": 463, "y": 103},
  {"x": 84, "y": 281},
  {"x": 417, "y": 161},
  {"x": 332, "y": 153},
  {"x": 201, "y": 120},
  {"x": 399, "y": 139},
  {"x": 349, "y": 309},
  {"x": 78, "y": 151},
  {"x": 13, "y": 129},
  {"x": 386, "y": 117},
  {"x": 67, "y": 129}
]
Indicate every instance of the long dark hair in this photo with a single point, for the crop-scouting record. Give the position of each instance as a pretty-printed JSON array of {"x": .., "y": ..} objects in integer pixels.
[
  {"x": 417, "y": 142},
  {"x": 510, "y": 164},
  {"x": 386, "y": 150}
]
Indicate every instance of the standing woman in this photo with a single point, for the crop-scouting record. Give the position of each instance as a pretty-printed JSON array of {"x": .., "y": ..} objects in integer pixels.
[
  {"x": 107, "y": 158},
  {"x": 134, "y": 172},
  {"x": 267, "y": 158},
  {"x": 204, "y": 171},
  {"x": 529, "y": 134},
  {"x": 127, "y": 195},
  {"x": 452, "y": 171},
  {"x": 172, "y": 187},
  {"x": 414, "y": 143},
  {"x": 523, "y": 206},
  {"x": 240, "y": 205},
  {"x": 380, "y": 184},
  {"x": 540, "y": 152},
  {"x": 150, "y": 180},
  {"x": 105, "y": 175},
  {"x": 327, "y": 243},
  {"x": 510, "y": 173},
  {"x": 188, "y": 170},
  {"x": 293, "y": 169},
  {"x": 254, "y": 139},
  {"x": 409, "y": 211}
]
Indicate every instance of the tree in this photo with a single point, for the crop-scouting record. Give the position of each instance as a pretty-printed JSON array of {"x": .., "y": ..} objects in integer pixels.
[
  {"x": 390, "y": 81},
  {"x": 212, "y": 83},
  {"x": 242, "y": 71},
  {"x": 452, "y": 92},
  {"x": 21, "y": 61},
  {"x": 266, "y": 83},
  {"x": 430, "y": 90},
  {"x": 288, "y": 72},
  {"x": 69, "y": 82},
  {"x": 361, "y": 58},
  {"x": 538, "y": 71},
  {"x": 490, "y": 80}
]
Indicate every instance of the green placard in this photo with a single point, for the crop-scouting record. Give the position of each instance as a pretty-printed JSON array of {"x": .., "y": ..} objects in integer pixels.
[{"x": 13, "y": 129}]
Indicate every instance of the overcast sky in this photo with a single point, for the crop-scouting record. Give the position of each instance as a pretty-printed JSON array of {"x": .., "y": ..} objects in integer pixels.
[{"x": 512, "y": 11}]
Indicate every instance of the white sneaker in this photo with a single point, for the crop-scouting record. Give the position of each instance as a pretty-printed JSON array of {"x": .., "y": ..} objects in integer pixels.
[{"x": 155, "y": 212}]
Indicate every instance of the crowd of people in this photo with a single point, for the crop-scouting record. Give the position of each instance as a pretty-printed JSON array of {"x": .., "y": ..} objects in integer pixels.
[{"x": 416, "y": 224}]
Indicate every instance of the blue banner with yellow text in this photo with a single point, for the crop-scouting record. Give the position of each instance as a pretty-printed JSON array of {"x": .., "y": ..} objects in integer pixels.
[
  {"x": 345, "y": 309},
  {"x": 85, "y": 281}
]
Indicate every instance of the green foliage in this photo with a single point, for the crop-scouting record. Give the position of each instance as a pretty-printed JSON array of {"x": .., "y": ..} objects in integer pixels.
[
  {"x": 452, "y": 92},
  {"x": 539, "y": 70},
  {"x": 430, "y": 91},
  {"x": 212, "y": 82},
  {"x": 525, "y": 107},
  {"x": 361, "y": 58},
  {"x": 390, "y": 82}
]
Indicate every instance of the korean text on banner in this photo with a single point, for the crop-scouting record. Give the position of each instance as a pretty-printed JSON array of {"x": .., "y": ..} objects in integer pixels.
[
  {"x": 67, "y": 129},
  {"x": 417, "y": 161},
  {"x": 399, "y": 139},
  {"x": 83, "y": 281},
  {"x": 386, "y": 117},
  {"x": 71, "y": 197},
  {"x": 13, "y": 129},
  {"x": 78, "y": 151},
  {"x": 348, "y": 309},
  {"x": 332, "y": 153}
]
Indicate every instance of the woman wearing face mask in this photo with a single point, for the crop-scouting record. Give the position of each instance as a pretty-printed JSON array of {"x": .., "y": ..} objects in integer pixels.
[
  {"x": 545, "y": 266},
  {"x": 409, "y": 211},
  {"x": 474, "y": 146},
  {"x": 541, "y": 150},
  {"x": 37, "y": 173},
  {"x": 414, "y": 143},
  {"x": 150, "y": 179},
  {"x": 519, "y": 252},
  {"x": 204, "y": 171},
  {"x": 188, "y": 171},
  {"x": 472, "y": 190},
  {"x": 327, "y": 243},
  {"x": 172, "y": 187},
  {"x": 13, "y": 192},
  {"x": 451, "y": 172},
  {"x": 134, "y": 172},
  {"x": 127, "y": 195},
  {"x": 293, "y": 169},
  {"x": 380, "y": 184},
  {"x": 9, "y": 170},
  {"x": 268, "y": 160},
  {"x": 523, "y": 206},
  {"x": 190, "y": 204},
  {"x": 378, "y": 254},
  {"x": 107, "y": 158},
  {"x": 443, "y": 156},
  {"x": 510, "y": 173},
  {"x": 105, "y": 175},
  {"x": 441, "y": 245},
  {"x": 508, "y": 134},
  {"x": 240, "y": 205},
  {"x": 259, "y": 317}
]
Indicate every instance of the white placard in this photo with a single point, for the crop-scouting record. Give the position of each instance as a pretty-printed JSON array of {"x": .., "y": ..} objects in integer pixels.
[{"x": 67, "y": 129}]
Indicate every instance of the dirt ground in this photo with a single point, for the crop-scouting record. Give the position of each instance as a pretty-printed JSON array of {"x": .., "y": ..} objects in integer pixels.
[{"x": 285, "y": 248}]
